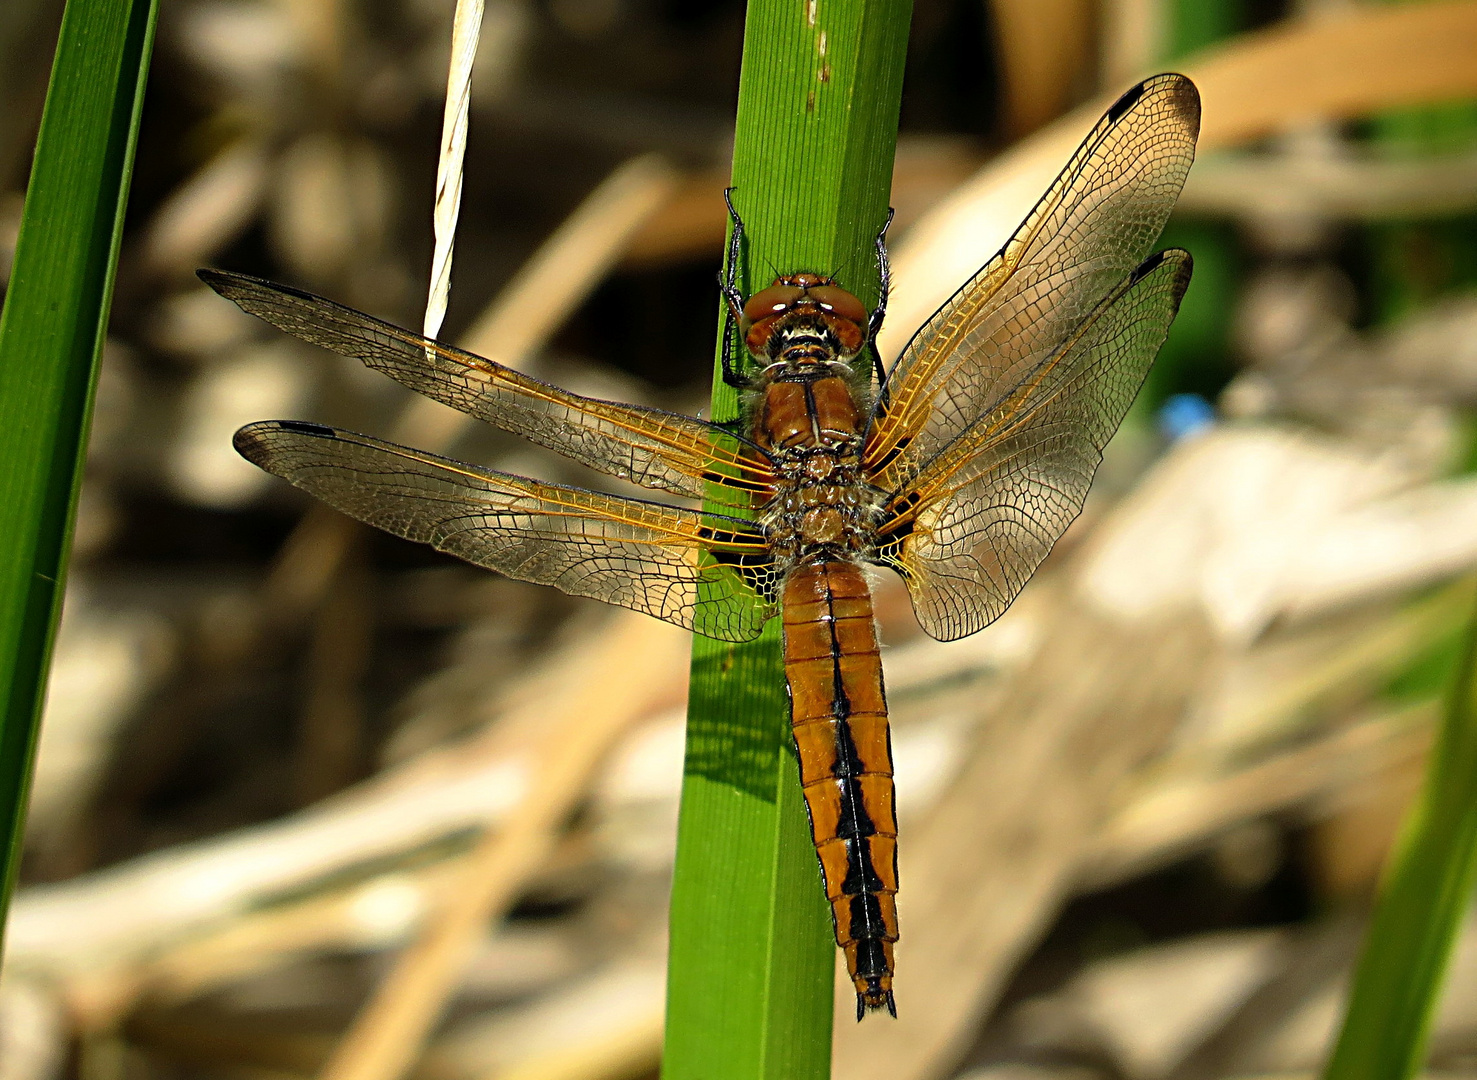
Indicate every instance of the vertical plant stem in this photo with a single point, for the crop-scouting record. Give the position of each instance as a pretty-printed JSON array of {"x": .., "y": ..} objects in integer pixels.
[
  {"x": 1426, "y": 890},
  {"x": 51, "y": 337},
  {"x": 749, "y": 989}
]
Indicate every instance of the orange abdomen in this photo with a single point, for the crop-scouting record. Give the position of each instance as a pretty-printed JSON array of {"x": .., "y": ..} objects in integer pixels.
[{"x": 839, "y": 717}]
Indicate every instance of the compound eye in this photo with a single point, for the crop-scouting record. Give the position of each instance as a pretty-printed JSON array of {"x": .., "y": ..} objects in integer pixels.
[
  {"x": 839, "y": 302},
  {"x": 774, "y": 300}
]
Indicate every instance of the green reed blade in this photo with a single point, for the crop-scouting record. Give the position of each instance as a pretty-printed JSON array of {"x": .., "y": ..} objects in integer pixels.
[
  {"x": 749, "y": 991},
  {"x": 1426, "y": 891},
  {"x": 51, "y": 336}
]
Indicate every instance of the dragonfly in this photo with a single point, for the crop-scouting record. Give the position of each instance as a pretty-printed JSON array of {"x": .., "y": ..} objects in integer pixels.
[{"x": 959, "y": 466}]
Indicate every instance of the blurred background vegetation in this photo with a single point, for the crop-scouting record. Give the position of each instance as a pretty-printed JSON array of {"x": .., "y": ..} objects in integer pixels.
[{"x": 1144, "y": 814}]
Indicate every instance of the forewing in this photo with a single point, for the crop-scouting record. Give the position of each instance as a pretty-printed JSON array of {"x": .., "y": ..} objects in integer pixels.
[
  {"x": 983, "y": 514},
  {"x": 650, "y": 447},
  {"x": 705, "y": 572},
  {"x": 1095, "y": 223}
]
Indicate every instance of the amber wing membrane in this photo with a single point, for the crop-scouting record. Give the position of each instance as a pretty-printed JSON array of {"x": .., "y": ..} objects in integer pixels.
[
  {"x": 705, "y": 572},
  {"x": 655, "y": 449},
  {"x": 983, "y": 515},
  {"x": 1095, "y": 223}
]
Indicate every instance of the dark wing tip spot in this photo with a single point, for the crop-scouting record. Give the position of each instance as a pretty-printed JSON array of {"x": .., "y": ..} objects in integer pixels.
[
  {"x": 252, "y": 442},
  {"x": 306, "y": 427},
  {"x": 1126, "y": 101},
  {"x": 1181, "y": 93},
  {"x": 235, "y": 287},
  {"x": 1182, "y": 275},
  {"x": 228, "y": 282},
  {"x": 1182, "y": 260},
  {"x": 1186, "y": 100},
  {"x": 1147, "y": 267},
  {"x": 248, "y": 443},
  {"x": 1182, "y": 267}
]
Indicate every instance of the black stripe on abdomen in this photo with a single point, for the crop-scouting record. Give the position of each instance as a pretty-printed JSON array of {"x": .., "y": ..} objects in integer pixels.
[{"x": 839, "y": 717}]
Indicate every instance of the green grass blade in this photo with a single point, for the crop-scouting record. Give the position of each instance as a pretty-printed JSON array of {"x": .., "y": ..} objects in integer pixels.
[
  {"x": 749, "y": 991},
  {"x": 1425, "y": 893},
  {"x": 51, "y": 336}
]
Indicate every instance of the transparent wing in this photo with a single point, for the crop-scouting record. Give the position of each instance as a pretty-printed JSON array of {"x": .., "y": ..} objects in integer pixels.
[
  {"x": 1095, "y": 223},
  {"x": 705, "y": 572},
  {"x": 982, "y": 515},
  {"x": 656, "y": 449}
]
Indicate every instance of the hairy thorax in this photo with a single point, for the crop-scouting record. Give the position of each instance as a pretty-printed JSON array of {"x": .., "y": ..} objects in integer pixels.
[{"x": 808, "y": 419}]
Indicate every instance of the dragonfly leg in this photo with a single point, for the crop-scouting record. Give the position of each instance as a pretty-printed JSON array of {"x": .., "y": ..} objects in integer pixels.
[
  {"x": 884, "y": 286},
  {"x": 879, "y": 369},
  {"x": 730, "y": 376},
  {"x": 728, "y": 283},
  {"x": 884, "y": 274}
]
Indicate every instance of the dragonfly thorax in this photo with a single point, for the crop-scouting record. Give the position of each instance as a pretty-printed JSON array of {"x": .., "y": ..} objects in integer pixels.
[
  {"x": 821, "y": 509},
  {"x": 811, "y": 429}
]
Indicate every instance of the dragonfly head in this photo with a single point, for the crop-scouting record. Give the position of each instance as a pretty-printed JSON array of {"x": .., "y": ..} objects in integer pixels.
[{"x": 805, "y": 306}]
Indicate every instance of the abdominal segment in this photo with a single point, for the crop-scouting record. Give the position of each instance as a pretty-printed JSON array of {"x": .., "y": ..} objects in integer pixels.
[{"x": 839, "y": 718}]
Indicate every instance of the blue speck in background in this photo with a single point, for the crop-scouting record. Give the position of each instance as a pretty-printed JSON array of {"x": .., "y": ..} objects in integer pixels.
[{"x": 1184, "y": 415}]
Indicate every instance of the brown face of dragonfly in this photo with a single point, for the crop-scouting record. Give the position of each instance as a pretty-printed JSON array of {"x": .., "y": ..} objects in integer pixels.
[{"x": 801, "y": 307}]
